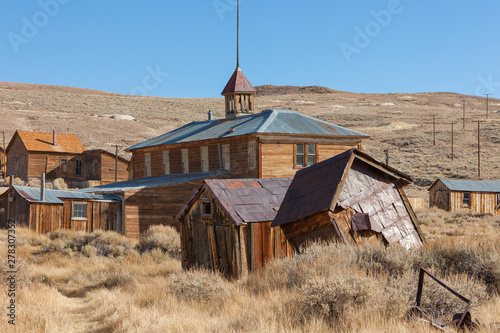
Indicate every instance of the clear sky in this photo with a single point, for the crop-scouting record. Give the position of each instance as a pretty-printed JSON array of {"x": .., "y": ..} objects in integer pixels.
[{"x": 186, "y": 48}]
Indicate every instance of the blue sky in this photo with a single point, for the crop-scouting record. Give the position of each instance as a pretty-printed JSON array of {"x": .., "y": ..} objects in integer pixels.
[{"x": 185, "y": 48}]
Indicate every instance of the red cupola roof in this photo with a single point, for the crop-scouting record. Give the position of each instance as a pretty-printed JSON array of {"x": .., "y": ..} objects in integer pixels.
[{"x": 238, "y": 83}]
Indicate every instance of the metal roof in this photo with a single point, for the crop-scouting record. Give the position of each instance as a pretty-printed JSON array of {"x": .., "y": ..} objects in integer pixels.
[
  {"x": 136, "y": 184},
  {"x": 268, "y": 121},
  {"x": 472, "y": 185},
  {"x": 238, "y": 83},
  {"x": 246, "y": 200},
  {"x": 32, "y": 194}
]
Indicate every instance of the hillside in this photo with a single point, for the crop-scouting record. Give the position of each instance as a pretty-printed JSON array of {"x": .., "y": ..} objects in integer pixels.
[{"x": 399, "y": 122}]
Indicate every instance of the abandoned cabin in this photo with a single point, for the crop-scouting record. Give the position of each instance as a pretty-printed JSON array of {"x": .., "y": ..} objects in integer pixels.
[
  {"x": 2, "y": 164},
  {"x": 29, "y": 154},
  {"x": 226, "y": 225},
  {"x": 455, "y": 194},
  {"x": 46, "y": 210},
  {"x": 350, "y": 198}
]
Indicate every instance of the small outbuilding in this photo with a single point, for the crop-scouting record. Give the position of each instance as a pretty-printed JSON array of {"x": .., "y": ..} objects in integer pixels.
[
  {"x": 350, "y": 198},
  {"x": 455, "y": 194},
  {"x": 226, "y": 225},
  {"x": 50, "y": 210}
]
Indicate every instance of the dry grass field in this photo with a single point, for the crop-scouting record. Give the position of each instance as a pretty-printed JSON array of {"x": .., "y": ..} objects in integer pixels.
[{"x": 74, "y": 282}]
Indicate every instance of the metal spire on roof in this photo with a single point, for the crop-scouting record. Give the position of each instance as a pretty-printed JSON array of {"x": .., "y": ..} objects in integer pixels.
[{"x": 238, "y": 38}]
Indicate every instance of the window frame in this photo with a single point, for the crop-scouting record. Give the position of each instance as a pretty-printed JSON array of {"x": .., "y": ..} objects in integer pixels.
[
  {"x": 147, "y": 165},
  {"x": 226, "y": 156},
  {"x": 165, "y": 158},
  {"x": 305, "y": 155},
  {"x": 204, "y": 203},
  {"x": 464, "y": 204},
  {"x": 78, "y": 174},
  {"x": 252, "y": 154},
  {"x": 205, "y": 162},
  {"x": 73, "y": 210},
  {"x": 185, "y": 160}
]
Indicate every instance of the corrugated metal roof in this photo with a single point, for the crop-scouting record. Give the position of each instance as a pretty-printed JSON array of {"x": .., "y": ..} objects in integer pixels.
[
  {"x": 246, "y": 200},
  {"x": 135, "y": 184},
  {"x": 268, "y": 121},
  {"x": 32, "y": 194},
  {"x": 238, "y": 83},
  {"x": 472, "y": 185},
  {"x": 66, "y": 143}
]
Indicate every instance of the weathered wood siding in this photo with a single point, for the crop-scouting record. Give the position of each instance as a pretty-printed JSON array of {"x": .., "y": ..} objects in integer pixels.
[
  {"x": 107, "y": 168},
  {"x": 52, "y": 165},
  {"x": 17, "y": 159},
  {"x": 417, "y": 203},
  {"x": 481, "y": 202},
  {"x": 439, "y": 196},
  {"x": 219, "y": 244}
]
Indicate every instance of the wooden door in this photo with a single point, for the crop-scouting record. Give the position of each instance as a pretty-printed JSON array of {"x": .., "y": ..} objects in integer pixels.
[
  {"x": 442, "y": 199},
  {"x": 221, "y": 261}
]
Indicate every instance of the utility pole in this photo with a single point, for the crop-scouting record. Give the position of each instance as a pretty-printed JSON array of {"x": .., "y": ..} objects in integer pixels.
[
  {"x": 478, "y": 149},
  {"x": 464, "y": 113},
  {"x": 4, "y": 158},
  {"x": 434, "y": 128},
  {"x": 452, "y": 134},
  {"x": 116, "y": 161},
  {"x": 487, "y": 104}
]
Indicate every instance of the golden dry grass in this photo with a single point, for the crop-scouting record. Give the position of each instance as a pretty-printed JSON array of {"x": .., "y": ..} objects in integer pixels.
[{"x": 327, "y": 288}]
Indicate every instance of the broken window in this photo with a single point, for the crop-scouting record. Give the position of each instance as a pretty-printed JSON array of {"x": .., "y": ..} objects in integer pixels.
[
  {"x": 166, "y": 162},
  {"x": 466, "y": 201},
  {"x": 252, "y": 154},
  {"x": 185, "y": 160},
  {"x": 207, "y": 208},
  {"x": 204, "y": 159},
  {"x": 305, "y": 154}
]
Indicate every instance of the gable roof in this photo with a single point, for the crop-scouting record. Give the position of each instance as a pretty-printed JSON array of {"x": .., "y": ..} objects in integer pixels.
[
  {"x": 245, "y": 200},
  {"x": 268, "y": 121},
  {"x": 137, "y": 184},
  {"x": 314, "y": 189},
  {"x": 238, "y": 83},
  {"x": 470, "y": 185},
  {"x": 43, "y": 142},
  {"x": 32, "y": 194}
]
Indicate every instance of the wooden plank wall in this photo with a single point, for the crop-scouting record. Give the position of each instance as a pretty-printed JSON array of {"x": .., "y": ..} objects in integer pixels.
[
  {"x": 17, "y": 159},
  {"x": 219, "y": 244},
  {"x": 481, "y": 202},
  {"x": 107, "y": 166},
  {"x": 439, "y": 196},
  {"x": 417, "y": 203},
  {"x": 51, "y": 164}
]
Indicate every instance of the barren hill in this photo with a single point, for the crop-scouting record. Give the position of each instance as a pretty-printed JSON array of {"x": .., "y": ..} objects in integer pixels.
[{"x": 399, "y": 122}]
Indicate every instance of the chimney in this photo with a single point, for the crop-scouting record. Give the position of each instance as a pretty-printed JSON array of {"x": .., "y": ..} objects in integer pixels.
[
  {"x": 54, "y": 134},
  {"x": 210, "y": 115},
  {"x": 42, "y": 188},
  {"x": 11, "y": 180}
]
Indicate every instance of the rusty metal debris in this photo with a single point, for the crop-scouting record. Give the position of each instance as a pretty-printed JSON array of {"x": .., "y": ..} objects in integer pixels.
[{"x": 462, "y": 320}]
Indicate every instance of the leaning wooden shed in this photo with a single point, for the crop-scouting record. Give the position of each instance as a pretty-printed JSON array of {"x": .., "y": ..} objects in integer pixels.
[
  {"x": 349, "y": 198},
  {"x": 455, "y": 194},
  {"x": 60, "y": 210},
  {"x": 226, "y": 226}
]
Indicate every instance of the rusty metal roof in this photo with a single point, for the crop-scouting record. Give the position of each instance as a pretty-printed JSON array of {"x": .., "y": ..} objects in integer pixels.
[
  {"x": 268, "y": 121},
  {"x": 245, "y": 200},
  {"x": 471, "y": 185},
  {"x": 43, "y": 142},
  {"x": 136, "y": 184},
  {"x": 238, "y": 83},
  {"x": 32, "y": 194}
]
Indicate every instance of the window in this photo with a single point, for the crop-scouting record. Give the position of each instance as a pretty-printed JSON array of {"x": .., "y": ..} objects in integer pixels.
[
  {"x": 185, "y": 160},
  {"x": 166, "y": 162},
  {"x": 305, "y": 154},
  {"x": 78, "y": 167},
  {"x": 252, "y": 154},
  {"x": 79, "y": 211},
  {"x": 466, "y": 201},
  {"x": 204, "y": 159},
  {"x": 226, "y": 157},
  {"x": 207, "y": 208},
  {"x": 147, "y": 164},
  {"x": 498, "y": 200}
]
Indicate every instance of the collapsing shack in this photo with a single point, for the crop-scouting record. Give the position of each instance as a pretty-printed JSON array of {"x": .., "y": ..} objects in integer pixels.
[
  {"x": 226, "y": 225},
  {"x": 349, "y": 198}
]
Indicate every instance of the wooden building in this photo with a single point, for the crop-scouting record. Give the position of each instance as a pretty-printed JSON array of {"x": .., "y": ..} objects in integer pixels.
[
  {"x": 226, "y": 226},
  {"x": 350, "y": 198},
  {"x": 60, "y": 210},
  {"x": 153, "y": 200},
  {"x": 2, "y": 164},
  {"x": 29, "y": 154},
  {"x": 454, "y": 194}
]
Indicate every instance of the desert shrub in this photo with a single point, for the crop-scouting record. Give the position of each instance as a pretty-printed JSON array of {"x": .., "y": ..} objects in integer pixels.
[
  {"x": 164, "y": 238},
  {"x": 105, "y": 243},
  {"x": 200, "y": 286},
  {"x": 59, "y": 184}
]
